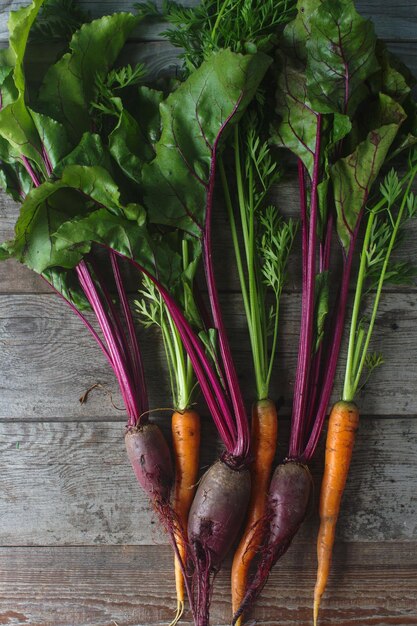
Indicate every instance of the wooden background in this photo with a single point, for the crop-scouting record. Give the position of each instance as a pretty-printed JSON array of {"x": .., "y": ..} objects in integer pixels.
[{"x": 78, "y": 545}]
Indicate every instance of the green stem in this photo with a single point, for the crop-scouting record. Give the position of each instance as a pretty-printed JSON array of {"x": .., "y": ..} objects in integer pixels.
[
  {"x": 255, "y": 301},
  {"x": 189, "y": 375},
  {"x": 218, "y": 19},
  {"x": 274, "y": 341},
  {"x": 359, "y": 370},
  {"x": 348, "y": 388},
  {"x": 170, "y": 357},
  {"x": 247, "y": 301},
  {"x": 235, "y": 239},
  {"x": 248, "y": 230},
  {"x": 183, "y": 391},
  {"x": 360, "y": 336}
]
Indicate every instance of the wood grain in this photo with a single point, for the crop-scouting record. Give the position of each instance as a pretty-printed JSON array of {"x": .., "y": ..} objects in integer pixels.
[
  {"x": 48, "y": 360},
  {"x": 371, "y": 585},
  {"x": 75, "y": 481}
]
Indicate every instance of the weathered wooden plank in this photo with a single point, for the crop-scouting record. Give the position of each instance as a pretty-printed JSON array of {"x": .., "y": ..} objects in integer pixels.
[
  {"x": 393, "y": 20},
  {"x": 147, "y": 31},
  {"x": 371, "y": 584},
  {"x": 75, "y": 481},
  {"x": 48, "y": 360}
]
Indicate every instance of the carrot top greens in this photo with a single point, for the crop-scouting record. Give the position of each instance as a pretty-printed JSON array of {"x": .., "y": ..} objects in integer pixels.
[
  {"x": 212, "y": 25},
  {"x": 385, "y": 228},
  {"x": 267, "y": 241},
  {"x": 153, "y": 312}
]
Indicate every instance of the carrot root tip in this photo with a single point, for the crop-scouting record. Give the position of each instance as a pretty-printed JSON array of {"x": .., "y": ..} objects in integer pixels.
[
  {"x": 178, "y": 613},
  {"x": 316, "y": 611}
]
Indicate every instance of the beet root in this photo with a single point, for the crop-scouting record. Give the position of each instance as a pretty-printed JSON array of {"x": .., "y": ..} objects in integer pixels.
[
  {"x": 214, "y": 521},
  {"x": 151, "y": 461},
  {"x": 288, "y": 498}
]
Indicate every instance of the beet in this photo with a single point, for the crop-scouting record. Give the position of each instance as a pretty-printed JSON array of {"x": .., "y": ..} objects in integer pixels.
[
  {"x": 214, "y": 521},
  {"x": 288, "y": 498},
  {"x": 151, "y": 460}
]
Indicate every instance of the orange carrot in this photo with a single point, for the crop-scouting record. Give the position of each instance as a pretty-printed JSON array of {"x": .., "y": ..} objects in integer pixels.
[
  {"x": 264, "y": 439},
  {"x": 186, "y": 443},
  {"x": 343, "y": 424}
]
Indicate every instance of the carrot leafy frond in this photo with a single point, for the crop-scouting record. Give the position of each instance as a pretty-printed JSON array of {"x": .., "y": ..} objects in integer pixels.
[
  {"x": 248, "y": 26},
  {"x": 385, "y": 229}
]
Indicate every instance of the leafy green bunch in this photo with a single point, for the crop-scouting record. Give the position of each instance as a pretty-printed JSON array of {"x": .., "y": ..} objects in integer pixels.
[
  {"x": 57, "y": 21},
  {"x": 344, "y": 109},
  {"x": 136, "y": 177},
  {"x": 245, "y": 26}
]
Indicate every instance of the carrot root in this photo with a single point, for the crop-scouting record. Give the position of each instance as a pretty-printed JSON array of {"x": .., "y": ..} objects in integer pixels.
[
  {"x": 264, "y": 438},
  {"x": 178, "y": 613},
  {"x": 186, "y": 443},
  {"x": 343, "y": 424}
]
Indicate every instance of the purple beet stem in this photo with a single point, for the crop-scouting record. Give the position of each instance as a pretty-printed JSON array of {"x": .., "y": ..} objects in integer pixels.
[
  {"x": 137, "y": 362},
  {"x": 121, "y": 368},
  {"x": 316, "y": 373},
  {"x": 337, "y": 334},
  {"x": 116, "y": 323},
  {"x": 209, "y": 383},
  {"x": 131, "y": 381},
  {"x": 242, "y": 444},
  {"x": 307, "y": 327},
  {"x": 310, "y": 370}
]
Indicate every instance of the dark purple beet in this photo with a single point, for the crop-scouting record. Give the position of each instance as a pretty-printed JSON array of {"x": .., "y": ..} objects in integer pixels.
[
  {"x": 289, "y": 493},
  {"x": 151, "y": 460},
  {"x": 288, "y": 498},
  {"x": 150, "y": 457},
  {"x": 215, "y": 518},
  {"x": 218, "y": 510}
]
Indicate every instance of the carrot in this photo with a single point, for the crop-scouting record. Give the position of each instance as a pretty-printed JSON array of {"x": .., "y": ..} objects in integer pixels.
[
  {"x": 186, "y": 443},
  {"x": 343, "y": 424},
  {"x": 264, "y": 438}
]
